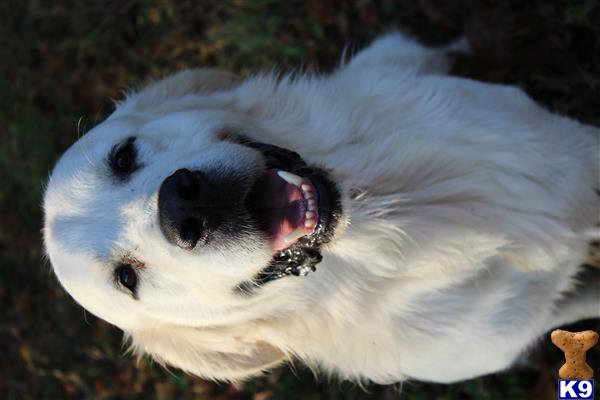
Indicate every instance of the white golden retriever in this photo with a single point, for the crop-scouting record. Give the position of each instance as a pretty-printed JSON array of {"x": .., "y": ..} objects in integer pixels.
[{"x": 383, "y": 222}]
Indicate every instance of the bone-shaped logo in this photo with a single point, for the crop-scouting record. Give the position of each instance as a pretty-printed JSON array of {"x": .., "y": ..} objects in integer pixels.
[{"x": 575, "y": 345}]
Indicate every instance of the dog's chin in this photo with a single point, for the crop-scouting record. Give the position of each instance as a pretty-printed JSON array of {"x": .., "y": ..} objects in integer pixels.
[{"x": 297, "y": 207}]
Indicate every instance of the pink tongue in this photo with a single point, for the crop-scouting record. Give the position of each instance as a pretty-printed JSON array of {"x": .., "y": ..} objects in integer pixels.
[{"x": 281, "y": 208}]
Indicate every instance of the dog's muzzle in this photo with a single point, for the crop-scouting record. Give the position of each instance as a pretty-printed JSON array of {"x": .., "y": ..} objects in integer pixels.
[{"x": 294, "y": 206}]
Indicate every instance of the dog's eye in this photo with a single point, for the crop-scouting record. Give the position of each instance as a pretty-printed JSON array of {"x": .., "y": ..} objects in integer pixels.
[
  {"x": 123, "y": 159},
  {"x": 127, "y": 277}
]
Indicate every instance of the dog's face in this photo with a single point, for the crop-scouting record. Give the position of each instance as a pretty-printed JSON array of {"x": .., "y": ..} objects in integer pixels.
[{"x": 182, "y": 216}]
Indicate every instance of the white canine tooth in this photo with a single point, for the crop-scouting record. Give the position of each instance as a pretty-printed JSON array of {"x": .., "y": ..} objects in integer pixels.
[
  {"x": 306, "y": 187},
  {"x": 290, "y": 178},
  {"x": 310, "y": 214},
  {"x": 309, "y": 223},
  {"x": 311, "y": 205},
  {"x": 309, "y": 195},
  {"x": 295, "y": 235}
]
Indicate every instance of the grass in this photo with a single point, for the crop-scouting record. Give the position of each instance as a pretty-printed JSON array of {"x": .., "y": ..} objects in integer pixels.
[{"x": 62, "y": 61}]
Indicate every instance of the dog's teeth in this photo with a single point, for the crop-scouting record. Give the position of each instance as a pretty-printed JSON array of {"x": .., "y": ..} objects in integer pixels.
[
  {"x": 306, "y": 187},
  {"x": 290, "y": 178},
  {"x": 311, "y": 205},
  {"x": 309, "y": 223},
  {"x": 295, "y": 235},
  {"x": 309, "y": 195},
  {"x": 310, "y": 215}
]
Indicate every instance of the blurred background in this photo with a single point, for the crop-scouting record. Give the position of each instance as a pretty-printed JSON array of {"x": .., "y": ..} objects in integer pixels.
[{"x": 61, "y": 63}]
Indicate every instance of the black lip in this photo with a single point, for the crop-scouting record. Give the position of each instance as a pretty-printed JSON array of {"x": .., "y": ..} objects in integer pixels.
[{"x": 302, "y": 257}]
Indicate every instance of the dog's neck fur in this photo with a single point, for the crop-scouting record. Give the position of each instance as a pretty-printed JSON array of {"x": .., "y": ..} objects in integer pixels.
[{"x": 414, "y": 209}]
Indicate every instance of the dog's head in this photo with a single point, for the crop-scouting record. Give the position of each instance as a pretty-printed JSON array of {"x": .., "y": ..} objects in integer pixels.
[{"x": 170, "y": 219}]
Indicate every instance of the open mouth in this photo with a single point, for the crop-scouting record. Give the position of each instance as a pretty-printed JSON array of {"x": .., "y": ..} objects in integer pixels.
[
  {"x": 297, "y": 206},
  {"x": 285, "y": 206}
]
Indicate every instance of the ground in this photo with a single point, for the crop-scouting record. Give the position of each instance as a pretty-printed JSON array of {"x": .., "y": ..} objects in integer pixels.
[{"x": 61, "y": 63}]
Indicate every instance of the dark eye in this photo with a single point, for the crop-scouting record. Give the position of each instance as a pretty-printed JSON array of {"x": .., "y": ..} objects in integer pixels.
[
  {"x": 123, "y": 159},
  {"x": 127, "y": 277}
]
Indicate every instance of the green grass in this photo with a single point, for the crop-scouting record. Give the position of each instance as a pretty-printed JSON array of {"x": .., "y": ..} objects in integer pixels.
[{"x": 62, "y": 61}]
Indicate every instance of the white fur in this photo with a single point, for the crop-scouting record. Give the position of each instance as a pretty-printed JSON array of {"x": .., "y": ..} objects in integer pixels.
[{"x": 466, "y": 210}]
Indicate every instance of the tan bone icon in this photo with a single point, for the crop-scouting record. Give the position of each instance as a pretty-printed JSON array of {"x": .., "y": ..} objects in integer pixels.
[{"x": 574, "y": 345}]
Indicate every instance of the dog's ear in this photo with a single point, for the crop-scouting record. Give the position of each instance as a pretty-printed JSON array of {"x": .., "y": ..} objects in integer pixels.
[
  {"x": 209, "y": 354},
  {"x": 183, "y": 83}
]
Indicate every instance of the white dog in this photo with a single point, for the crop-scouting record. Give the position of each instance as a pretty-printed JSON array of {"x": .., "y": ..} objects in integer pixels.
[{"x": 442, "y": 220}]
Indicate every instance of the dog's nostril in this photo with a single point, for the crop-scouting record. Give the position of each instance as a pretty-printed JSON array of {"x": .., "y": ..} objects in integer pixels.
[
  {"x": 187, "y": 184},
  {"x": 189, "y": 233}
]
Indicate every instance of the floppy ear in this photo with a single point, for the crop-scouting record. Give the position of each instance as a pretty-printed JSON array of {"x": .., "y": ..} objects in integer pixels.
[
  {"x": 183, "y": 83},
  {"x": 207, "y": 353}
]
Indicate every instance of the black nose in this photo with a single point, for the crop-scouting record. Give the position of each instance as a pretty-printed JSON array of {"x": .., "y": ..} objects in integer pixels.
[{"x": 188, "y": 208}]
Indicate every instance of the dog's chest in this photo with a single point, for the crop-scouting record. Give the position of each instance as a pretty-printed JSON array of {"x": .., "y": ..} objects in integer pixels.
[{"x": 470, "y": 328}]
